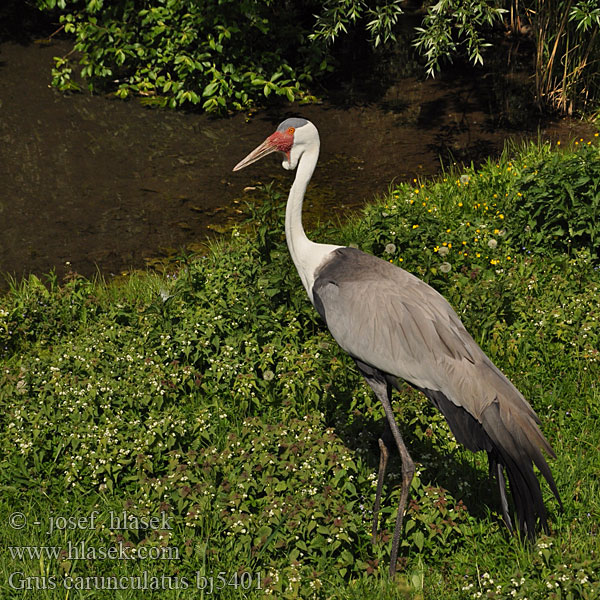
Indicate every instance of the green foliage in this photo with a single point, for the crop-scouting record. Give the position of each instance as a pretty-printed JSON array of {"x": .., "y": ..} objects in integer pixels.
[
  {"x": 437, "y": 524},
  {"x": 223, "y": 55},
  {"x": 219, "y": 55},
  {"x": 556, "y": 201},
  {"x": 216, "y": 399},
  {"x": 339, "y": 16},
  {"x": 566, "y": 42},
  {"x": 548, "y": 577},
  {"x": 39, "y": 311},
  {"x": 565, "y": 35},
  {"x": 452, "y": 24}
]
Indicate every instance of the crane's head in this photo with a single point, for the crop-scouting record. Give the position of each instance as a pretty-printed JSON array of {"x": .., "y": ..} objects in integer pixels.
[{"x": 292, "y": 138}]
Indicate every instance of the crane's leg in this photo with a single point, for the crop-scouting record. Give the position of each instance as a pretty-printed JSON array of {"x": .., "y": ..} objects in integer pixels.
[
  {"x": 383, "y": 391},
  {"x": 408, "y": 472},
  {"x": 383, "y": 460}
]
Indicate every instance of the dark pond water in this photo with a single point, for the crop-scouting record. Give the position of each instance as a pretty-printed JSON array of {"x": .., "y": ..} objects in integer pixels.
[{"x": 106, "y": 185}]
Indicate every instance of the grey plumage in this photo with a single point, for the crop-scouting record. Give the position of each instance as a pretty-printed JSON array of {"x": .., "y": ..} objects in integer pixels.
[
  {"x": 400, "y": 327},
  {"x": 295, "y": 122}
]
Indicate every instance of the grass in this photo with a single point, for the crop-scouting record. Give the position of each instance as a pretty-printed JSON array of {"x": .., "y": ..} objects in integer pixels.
[{"x": 214, "y": 401}]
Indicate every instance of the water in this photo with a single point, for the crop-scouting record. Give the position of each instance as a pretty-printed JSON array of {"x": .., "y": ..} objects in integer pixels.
[{"x": 93, "y": 184}]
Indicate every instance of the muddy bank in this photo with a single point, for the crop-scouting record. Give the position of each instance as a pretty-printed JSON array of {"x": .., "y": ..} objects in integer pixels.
[{"x": 104, "y": 184}]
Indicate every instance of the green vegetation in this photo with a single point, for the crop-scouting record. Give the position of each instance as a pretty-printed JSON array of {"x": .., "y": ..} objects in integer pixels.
[
  {"x": 563, "y": 33},
  {"x": 227, "y": 55},
  {"x": 219, "y": 55},
  {"x": 566, "y": 50},
  {"x": 214, "y": 400}
]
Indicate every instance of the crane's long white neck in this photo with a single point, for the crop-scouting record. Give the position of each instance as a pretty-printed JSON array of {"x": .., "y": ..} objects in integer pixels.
[{"x": 307, "y": 255}]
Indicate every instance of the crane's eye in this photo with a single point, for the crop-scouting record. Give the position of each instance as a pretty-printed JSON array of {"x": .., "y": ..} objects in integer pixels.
[{"x": 291, "y": 130}]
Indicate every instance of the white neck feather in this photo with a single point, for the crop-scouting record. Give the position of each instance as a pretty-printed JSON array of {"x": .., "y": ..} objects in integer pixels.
[{"x": 307, "y": 255}]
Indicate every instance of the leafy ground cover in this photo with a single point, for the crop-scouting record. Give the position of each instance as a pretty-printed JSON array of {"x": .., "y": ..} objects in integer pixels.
[{"x": 212, "y": 400}]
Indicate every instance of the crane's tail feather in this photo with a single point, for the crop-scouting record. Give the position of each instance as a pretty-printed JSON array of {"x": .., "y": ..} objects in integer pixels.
[
  {"x": 511, "y": 437},
  {"x": 516, "y": 441},
  {"x": 497, "y": 471}
]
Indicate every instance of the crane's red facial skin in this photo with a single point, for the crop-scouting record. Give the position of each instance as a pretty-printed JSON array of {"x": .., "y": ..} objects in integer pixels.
[{"x": 283, "y": 140}]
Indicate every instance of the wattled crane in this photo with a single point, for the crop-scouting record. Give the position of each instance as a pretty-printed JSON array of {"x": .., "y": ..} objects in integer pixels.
[{"x": 396, "y": 327}]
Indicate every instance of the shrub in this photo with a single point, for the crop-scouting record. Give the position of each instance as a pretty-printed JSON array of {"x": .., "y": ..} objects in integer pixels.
[
  {"x": 556, "y": 201},
  {"x": 218, "y": 55}
]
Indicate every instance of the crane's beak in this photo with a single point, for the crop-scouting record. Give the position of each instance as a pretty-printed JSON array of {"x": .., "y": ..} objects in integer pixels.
[{"x": 265, "y": 148}]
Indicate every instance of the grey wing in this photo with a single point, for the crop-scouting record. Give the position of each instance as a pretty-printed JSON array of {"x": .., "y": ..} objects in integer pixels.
[
  {"x": 389, "y": 320},
  {"x": 396, "y": 323}
]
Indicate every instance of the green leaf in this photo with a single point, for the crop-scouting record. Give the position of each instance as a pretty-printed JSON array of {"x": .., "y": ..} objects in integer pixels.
[{"x": 419, "y": 540}]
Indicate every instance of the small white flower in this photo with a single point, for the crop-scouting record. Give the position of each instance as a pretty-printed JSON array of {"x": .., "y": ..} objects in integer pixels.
[
  {"x": 443, "y": 250},
  {"x": 445, "y": 267},
  {"x": 492, "y": 243},
  {"x": 390, "y": 248},
  {"x": 465, "y": 178}
]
